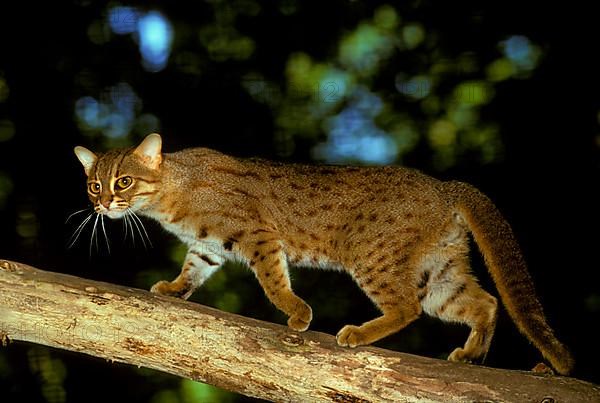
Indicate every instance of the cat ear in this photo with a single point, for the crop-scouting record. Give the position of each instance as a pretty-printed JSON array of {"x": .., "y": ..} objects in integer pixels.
[
  {"x": 149, "y": 151},
  {"x": 86, "y": 157}
]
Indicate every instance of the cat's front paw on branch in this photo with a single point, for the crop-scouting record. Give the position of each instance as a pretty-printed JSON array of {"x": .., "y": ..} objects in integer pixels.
[
  {"x": 171, "y": 289},
  {"x": 301, "y": 319}
]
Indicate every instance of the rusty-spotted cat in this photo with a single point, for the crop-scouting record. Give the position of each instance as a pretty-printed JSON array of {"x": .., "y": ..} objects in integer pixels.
[{"x": 402, "y": 236}]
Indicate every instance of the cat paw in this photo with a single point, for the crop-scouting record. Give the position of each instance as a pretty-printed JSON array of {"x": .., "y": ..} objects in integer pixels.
[
  {"x": 300, "y": 320},
  {"x": 161, "y": 288},
  {"x": 166, "y": 288},
  {"x": 459, "y": 355},
  {"x": 350, "y": 336}
]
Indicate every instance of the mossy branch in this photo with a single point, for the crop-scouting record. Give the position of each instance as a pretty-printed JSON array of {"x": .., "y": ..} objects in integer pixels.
[{"x": 243, "y": 355}]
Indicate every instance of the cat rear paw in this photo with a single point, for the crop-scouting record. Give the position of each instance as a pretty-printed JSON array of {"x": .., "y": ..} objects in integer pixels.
[
  {"x": 300, "y": 320},
  {"x": 462, "y": 355}
]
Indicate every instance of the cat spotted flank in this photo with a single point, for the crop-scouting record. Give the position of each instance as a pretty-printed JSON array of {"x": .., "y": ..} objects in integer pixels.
[{"x": 401, "y": 235}]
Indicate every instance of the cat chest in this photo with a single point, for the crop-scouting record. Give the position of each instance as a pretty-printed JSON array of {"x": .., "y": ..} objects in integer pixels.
[{"x": 209, "y": 246}]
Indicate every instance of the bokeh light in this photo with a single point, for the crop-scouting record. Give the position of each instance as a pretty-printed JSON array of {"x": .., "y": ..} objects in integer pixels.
[
  {"x": 152, "y": 30},
  {"x": 155, "y": 37}
]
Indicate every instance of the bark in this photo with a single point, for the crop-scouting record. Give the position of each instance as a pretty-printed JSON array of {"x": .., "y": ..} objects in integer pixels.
[{"x": 244, "y": 355}]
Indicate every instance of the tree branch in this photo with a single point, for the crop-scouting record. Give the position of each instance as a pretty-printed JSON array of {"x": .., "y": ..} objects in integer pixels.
[{"x": 243, "y": 355}]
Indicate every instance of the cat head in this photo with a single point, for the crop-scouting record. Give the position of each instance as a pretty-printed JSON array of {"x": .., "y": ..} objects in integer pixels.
[{"x": 122, "y": 179}]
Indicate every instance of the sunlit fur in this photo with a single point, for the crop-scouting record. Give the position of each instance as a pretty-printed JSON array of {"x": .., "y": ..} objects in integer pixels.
[{"x": 402, "y": 236}]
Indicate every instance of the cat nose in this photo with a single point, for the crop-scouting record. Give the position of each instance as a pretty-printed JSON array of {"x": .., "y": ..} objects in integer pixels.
[{"x": 105, "y": 201}]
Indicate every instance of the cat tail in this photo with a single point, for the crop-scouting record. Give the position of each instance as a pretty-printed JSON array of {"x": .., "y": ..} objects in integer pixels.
[{"x": 507, "y": 267}]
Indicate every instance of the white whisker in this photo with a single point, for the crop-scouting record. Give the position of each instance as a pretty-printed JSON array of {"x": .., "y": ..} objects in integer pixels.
[
  {"x": 142, "y": 225},
  {"x": 75, "y": 213},
  {"x": 104, "y": 231},
  {"x": 92, "y": 237},
  {"x": 128, "y": 227},
  {"x": 79, "y": 230},
  {"x": 137, "y": 227}
]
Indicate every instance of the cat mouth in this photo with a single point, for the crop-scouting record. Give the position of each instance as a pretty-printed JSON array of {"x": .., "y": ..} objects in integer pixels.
[{"x": 111, "y": 213}]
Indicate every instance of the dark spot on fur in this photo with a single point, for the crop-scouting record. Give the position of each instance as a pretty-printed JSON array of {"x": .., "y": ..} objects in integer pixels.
[
  {"x": 424, "y": 279},
  {"x": 275, "y": 176},
  {"x": 208, "y": 260},
  {"x": 453, "y": 298},
  {"x": 295, "y": 186},
  {"x": 228, "y": 245},
  {"x": 373, "y": 217},
  {"x": 237, "y": 173},
  {"x": 292, "y": 200},
  {"x": 447, "y": 266},
  {"x": 359, "y": 216},
  {"x": 203, "y": 232},
  {"x": 273, "y": 251},
  {"x": 237, "y": 235}
]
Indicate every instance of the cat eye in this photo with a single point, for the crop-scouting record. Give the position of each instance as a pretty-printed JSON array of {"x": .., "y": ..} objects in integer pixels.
[
  {"x": 124, "y": 182},
  {"x": 94, "y": 188}
]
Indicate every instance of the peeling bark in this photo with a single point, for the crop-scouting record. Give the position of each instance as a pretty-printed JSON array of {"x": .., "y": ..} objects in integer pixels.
[{"x": 243, "y": 355}]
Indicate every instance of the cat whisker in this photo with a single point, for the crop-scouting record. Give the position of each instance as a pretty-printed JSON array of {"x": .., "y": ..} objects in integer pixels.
[
  {"x": 79, "y": 230},
  {"x": 75, "y": 213},
  {"x": 93, "y": 233},
  {"x": 130, "y": 213},
  {"x": 143, "y": 228},
  {"x": 129, "y": 227},
  {"x": 104, "y": 231}
]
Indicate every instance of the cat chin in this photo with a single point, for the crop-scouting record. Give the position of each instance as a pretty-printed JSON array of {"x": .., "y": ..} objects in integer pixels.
[{"x": 114, "y": 215}]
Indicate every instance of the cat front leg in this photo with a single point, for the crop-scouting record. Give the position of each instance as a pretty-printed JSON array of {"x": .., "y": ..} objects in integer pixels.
[
  {"x": 269, "y": 264},
  {"x": 197, "y": 268}
]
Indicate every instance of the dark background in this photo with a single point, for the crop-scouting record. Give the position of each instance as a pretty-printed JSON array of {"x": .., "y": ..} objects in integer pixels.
[{"x": 503, "y": 95}]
